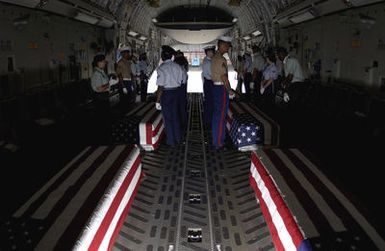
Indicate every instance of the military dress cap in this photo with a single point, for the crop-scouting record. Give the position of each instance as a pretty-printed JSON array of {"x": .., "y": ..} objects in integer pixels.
[
  {"x": 179, "y": 53},
  {"x": 209, "y": 47},
  {"x": 225, "y": 39},
  {"x": 99, "y": 57},
  {"x": 125, "y": 48},
  {"x": 168, "y": 49}
]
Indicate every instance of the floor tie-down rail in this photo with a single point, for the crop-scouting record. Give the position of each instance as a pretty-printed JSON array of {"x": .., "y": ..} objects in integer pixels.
[{"x": 195, "y": 198}]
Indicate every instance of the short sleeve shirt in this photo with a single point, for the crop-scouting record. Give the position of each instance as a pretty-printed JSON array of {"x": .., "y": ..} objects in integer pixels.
[
  {"x": 142, "y": 65},
  {"x": 218, "y": 67},
  {"x": 270, "y": 72},
  {"x": 124, "y": 68},
  {"x": 248, "y": 64},
  {"x": 292, "y": 66},
  {"x": 98, "y": 78},
  {"x": 206, "y": 68},
  {"x": 258, "y": 62},
  {"x": 169, "y": 74},
  {"x": 184, "y": 76}
]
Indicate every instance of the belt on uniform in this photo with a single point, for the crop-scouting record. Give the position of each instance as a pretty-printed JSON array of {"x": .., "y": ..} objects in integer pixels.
[
  {"x": 126, "y": 79},
  {"x": 218, "y": 83},
  {"x": 171, "y": 89}
]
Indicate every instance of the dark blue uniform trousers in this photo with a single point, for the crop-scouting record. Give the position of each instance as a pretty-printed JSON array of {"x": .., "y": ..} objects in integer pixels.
[
  {"x": 208, "y": 101},
  {"x": 169, "y": 103},
  {"x": 247, "y": 79},
  {"x": 220, "y": 105},
  {"x": 128, "y": 98},
  {"x": 182, "y": 106}
]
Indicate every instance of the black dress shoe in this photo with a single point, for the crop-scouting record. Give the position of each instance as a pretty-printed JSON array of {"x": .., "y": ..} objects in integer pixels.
[{"x": 218, "y": 148}]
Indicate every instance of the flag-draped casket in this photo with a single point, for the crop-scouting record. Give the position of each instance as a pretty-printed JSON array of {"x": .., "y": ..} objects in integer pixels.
[
  {"x": 83, "y": 206},
  {"x": 303, "y": 209},
  {"x": 143, "y": 126},
  {"x": 246, "y": 133},
  {"x": 241, "y": 113}
]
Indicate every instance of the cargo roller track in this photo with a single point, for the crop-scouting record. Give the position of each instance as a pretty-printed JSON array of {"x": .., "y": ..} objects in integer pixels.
[{"x": 195, "y": 198}]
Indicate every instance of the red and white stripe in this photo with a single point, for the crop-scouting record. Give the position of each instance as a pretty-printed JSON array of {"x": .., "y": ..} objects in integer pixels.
[
  {"x": 105, "y": 223},
  {"x": 300, "y": 203},
  {"x": 283, "y": 227},
  {"x": 85, "y": 203},
  {"x": 151, "y": 129}
]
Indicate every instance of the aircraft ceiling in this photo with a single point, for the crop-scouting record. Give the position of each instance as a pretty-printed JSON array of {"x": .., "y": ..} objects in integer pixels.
[{"x": 139, "y": 15}]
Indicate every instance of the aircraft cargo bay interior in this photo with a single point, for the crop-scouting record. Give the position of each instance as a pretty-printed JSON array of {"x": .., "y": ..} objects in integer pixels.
[{"x": 192, "y": 125}]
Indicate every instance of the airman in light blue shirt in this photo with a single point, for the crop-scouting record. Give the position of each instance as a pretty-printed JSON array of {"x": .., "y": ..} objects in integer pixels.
[{"x": 169, "y": 75}]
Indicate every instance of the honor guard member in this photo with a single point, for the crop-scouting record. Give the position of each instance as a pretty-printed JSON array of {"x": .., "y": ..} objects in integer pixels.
[
  {"x": 207, "y": 85},
  {"x": 181, "y": 60},
  {"x": 293, "y": 81},
  {"x": 169, "y": 79},
  {"x": 258, "y": 67},
  {"x": 100, "y": 84},
  {"x": 239, "y": 70},
  {"x": 248, "y": 73},
  {"x": 221, "y": 91},
  {"x": 125, "y": 75},
  {"x": 269, "y": 76},
  {"x": 143, "y": 69},
  {"x": 135, "y": 74}
]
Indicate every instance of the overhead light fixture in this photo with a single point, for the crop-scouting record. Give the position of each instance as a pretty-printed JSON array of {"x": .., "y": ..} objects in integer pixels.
[
  {"x": 154, "y": 20},
  {"x": 246, "y": 37},
  {"x": 142, "y": 38},
  {"x": 366, "y": 19},
  {"x": 21, "y": 20},
  {"x": 235, "y": 20},
  {"x": 132, "y": 33},
  {"x": 106, "y": 23},
  {"x": 86, "y": 18},
  {"x": 304, "y": 16},
  {"x": 256, "y": 33}
]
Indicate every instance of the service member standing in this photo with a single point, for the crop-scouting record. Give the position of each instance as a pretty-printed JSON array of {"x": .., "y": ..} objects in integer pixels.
[
  {"x": 221, "y": 92},
  {"x": 181, "y": 60},
  {"x": 258, "y": 67},
  {"x": 269, "y": 75},
  {"x": 248, "y": 73},
  {"x": 143, "y": 69},
  {"x": 126, "y": 77},
  {"x": 293, "y": 81},
  {"x": 100, "y": 85},
  {"x": 207, "y": 86},
  {"x": 169, "y": 79}
]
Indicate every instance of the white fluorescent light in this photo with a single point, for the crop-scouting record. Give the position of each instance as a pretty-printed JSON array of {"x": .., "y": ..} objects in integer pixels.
[
  {"x": 86, "y": 18},
  {"x": 256, "y": 33},
  {"x": 132, "y": 33},
  {"x": 235, "y": 20},
  {"x": 302, "y": 17},
  {"x": 154, "y": 20},
  {"x": 246, "y": 37},
  {"x": 106, "y": 23},
  {"x": 142, "y": 38}
]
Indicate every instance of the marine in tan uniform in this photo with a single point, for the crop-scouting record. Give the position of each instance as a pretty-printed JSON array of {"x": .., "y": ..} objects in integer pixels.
[
  {"x": 125, "y": 75},
  {"x": 221, "y": 91}
]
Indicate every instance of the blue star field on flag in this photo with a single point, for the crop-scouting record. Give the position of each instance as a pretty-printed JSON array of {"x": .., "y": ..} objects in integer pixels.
[{"x": 246, "y": 130}]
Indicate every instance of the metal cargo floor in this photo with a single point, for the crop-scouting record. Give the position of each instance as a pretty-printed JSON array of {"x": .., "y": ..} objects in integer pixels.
[{"x": 194, "y": 191}]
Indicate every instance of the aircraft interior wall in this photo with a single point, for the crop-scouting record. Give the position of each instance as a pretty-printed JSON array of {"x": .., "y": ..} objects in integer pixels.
[
  {"x": 350, "y": 44},
  {"x": 45, "y": 48}
]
